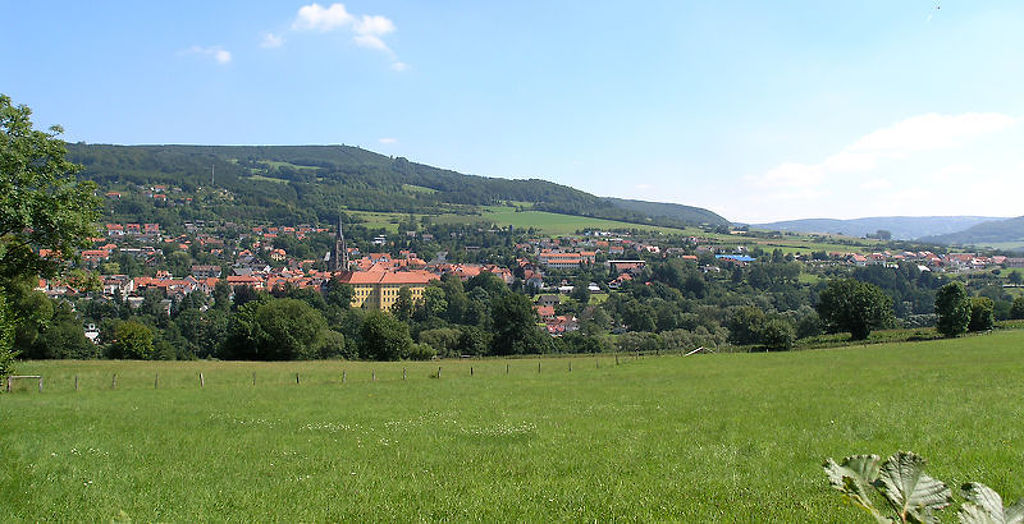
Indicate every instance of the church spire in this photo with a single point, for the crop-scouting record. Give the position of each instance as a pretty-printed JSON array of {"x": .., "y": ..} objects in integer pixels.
[{"x": 339, "y": 255}]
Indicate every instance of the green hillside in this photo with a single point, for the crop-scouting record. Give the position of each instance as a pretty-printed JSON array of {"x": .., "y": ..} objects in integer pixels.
[
  {"x": 996, "y": 233},
  {"x": 296, "y": 184}
]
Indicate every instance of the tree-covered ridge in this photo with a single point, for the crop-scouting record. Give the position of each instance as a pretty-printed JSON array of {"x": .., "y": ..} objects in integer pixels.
[{"x": 310, "y": 183}]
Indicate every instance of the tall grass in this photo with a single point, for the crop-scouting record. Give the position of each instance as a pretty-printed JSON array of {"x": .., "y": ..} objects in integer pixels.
[{"x": 736, "y": 437}]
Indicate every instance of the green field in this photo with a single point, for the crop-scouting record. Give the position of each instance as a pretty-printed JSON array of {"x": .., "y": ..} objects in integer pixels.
[
  {"x": 545, "y": 222},
  {"x": 730, "y": 437}
]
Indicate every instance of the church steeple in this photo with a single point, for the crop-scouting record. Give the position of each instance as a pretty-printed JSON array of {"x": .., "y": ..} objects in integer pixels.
[{"x": 339, "y": 254}]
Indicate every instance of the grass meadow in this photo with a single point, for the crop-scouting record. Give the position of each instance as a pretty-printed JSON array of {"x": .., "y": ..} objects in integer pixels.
[{"x": 728, "y": 437}]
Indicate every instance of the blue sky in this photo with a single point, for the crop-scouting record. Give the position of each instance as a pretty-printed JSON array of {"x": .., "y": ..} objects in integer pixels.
[{"x": 756, "y": 110}]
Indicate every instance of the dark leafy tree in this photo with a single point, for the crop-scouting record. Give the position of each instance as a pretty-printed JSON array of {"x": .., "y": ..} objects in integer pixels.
[
  {"x": 953, "y": 308},
  {"x": 42, "y": 207},
  {"x": 133, "y": 340},
  {"x": 515, "y": 328},
  {"x": 857, "y": 307},
  {"x": 982, "y": 314},
  {"x": 383, "y": 337}
]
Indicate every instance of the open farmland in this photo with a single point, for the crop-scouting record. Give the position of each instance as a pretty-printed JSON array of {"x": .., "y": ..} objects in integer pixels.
[{"x": 703, "y": 438}]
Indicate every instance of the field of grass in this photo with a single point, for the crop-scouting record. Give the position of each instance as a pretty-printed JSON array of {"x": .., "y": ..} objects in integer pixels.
[
  {"x": 548, "y": 223},
  {"x": 733, "y": 437}
]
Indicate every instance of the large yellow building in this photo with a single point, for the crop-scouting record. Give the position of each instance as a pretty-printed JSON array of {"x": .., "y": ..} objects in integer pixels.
[{"x": 379, "y": 289}]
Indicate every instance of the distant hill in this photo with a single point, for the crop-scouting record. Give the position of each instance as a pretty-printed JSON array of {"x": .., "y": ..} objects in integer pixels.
[
  {"x": 686, "y": 214},
  {"x": 1000, "y": 231},
  {"x": 902, "y": 228},
  {"x": 303, "y": 184}
]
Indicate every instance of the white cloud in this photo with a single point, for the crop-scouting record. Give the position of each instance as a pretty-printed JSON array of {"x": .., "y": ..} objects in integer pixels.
[
  {"x": 217, "y": 53},
  {"x": 388, "y": 140},
  {"x": 270, "y": 40},
  {"x": 315, "y": 17},
  {"x": 929, "y": 132},
  {"x": 367, "y": 31},
  {"x": 901, "y": 140},
  {"x": 928, "y": 164}
]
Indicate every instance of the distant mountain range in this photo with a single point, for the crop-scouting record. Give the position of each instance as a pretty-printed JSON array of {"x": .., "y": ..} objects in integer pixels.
[
  {"x": 986, "y": 233},
  {"x": 901, "y": 228}
]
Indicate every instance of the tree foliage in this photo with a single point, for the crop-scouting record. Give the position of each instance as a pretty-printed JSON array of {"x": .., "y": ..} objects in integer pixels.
[
  {"x": 953, "y": 308},
  {"x": 383, "y": 337},
  {"x": 857, "y": 307}
]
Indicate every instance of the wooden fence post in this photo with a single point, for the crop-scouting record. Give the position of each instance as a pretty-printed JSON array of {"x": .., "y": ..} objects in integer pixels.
[
  {"x": 438, "y": 371},
  {"x": 113, "y": 382},
  {"x": 40, "y": 384},
  {"x": 296, "y": 379},
  {"x": 538, "y": 367},
  {"x": 253, "y": 378},
  {"x": 471, "y": 371},
  {"x": 404, "y": 374},
  {"x": 202, "y": 380},
  {"x": 344, "y": 376},
  {"x": 570, "y": 366},
  {"x": 373, "y": 375},
  {"x": 156, "y": 381},
  {"x": 616, "y": 359},
  {"x": 76, "y": 382},
  {"x": 506, "y": 368}
]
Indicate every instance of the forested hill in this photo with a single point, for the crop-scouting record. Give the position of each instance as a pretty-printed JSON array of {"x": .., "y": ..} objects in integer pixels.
[
  {"x": 296, "y": 184},
  {"x": 1000, "y": 231}
]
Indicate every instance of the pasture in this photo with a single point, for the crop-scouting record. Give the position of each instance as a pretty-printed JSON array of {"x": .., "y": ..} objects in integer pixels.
[{"x": 733, "y": 437}]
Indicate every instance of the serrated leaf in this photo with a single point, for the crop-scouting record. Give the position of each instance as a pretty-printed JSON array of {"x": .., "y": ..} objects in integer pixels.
[
  {"x": 985, "y": 506},
  {"x": 914, "y": 495},
  {"x": 853, "y": 478}
]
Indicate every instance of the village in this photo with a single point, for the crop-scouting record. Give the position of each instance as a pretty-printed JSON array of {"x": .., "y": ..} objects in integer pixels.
[{"x": 545, "y": 267}]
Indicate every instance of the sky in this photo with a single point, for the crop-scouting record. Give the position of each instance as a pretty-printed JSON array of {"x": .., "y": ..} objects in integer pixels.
[{"x": 757, "y": 110}]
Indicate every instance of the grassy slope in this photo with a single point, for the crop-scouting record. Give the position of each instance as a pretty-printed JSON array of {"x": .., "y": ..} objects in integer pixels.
[{"x": 708, "y": 438}]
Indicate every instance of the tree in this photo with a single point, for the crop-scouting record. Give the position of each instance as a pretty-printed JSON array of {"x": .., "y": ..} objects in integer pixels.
[
  {"x": 383, "y": 337},
  {"x": 278, "y": 329},
  {"x": 515, "y": 328},
  {"x": 746, "y": 325},
  {"x": 403, "y": 306},
  {"x": 42, "y": 207},
  {"x": 854, "y": 306},
  {"x": 778, "y": 334},
  {"x": 133, "y": 340},
  {"x": 953, "y": 308},
  {"x": 982, "y": 314},
  {"x": 1017, "y": 309}
]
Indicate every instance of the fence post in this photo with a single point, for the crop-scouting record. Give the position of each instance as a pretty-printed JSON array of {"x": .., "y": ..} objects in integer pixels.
[
  {"x": 253, "y": 378},
  {"x": 438, "y": 371},
  {"x": 113, "y": 382},
  {"x": 296, "y": 379},
  {"x": 616, "y": 359},
  {"x": 156, "y": 381},
  {"x": 10, "y": 383},
  {"x": 373, "y": 375},
  {"x": 76, "y": 382},
  {"x": 404, "y": 374},
  {"x": 40, "y": 384},
  {"x": 471, "y": 371},
  {"x": 506, "y": 368},
  {"x": 538, "y": 367},
  {"x": 202, "y": 380},
  {"x": 344, "y": 376},
  {"x": 570, "y": 366}
]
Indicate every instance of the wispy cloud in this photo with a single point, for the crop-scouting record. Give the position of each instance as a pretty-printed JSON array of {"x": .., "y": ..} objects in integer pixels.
[
  {"x": 901, "y": 140},
  {"x": 217, "y": 53},
  {"x": 388, "y": 140},
  {"x": 367, "y": 31},
  {"x": 270, "y": 41}
]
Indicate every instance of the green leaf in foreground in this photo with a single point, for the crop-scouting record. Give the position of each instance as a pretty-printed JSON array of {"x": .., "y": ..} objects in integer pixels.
[
  {"x": 985, "y": 506},
  {"x": 914, "y": 495}
]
